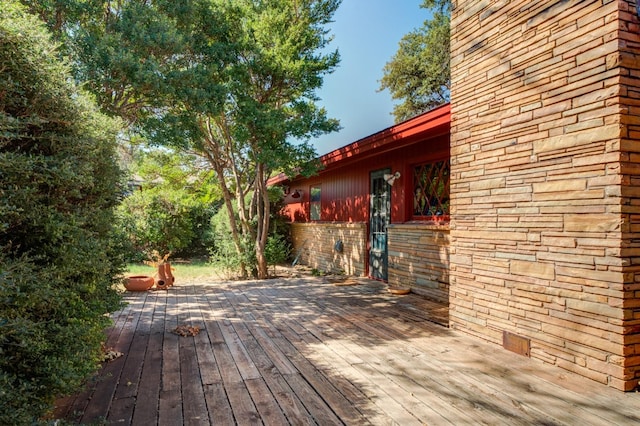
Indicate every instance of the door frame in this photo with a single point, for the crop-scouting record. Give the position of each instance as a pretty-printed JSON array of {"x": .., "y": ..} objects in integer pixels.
[{"x": 378, "y": 255}]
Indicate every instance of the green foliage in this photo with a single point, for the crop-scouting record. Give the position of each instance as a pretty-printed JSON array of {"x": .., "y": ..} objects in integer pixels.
[
  {"x": 58, "y": 251},
  {"x": 171, "y": 211},
  {"x": 277, "y": 249},
  {"x": 234, "y": 81},
  {"x": 273, "y": 95},
  {"x": 133, "y": 54},
  {"x": 442, "y": 6},
  {"x": 224, "y": 254},
  {"x": 159, "y": 220},
  {"x": 419, "y": 73}
]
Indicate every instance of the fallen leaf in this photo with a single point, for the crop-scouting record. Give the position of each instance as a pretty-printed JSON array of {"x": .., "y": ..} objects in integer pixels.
[{"x": 187, "y": 330}]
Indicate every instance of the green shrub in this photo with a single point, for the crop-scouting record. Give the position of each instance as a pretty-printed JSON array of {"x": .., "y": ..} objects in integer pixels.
[
  {"x": 59, "y": 254},
  {"x": 159, "y": 220},
  {"x": 277, "y": 249},
  {"x": 223, "y": 253},
  {"x": 172, "y": 210}
]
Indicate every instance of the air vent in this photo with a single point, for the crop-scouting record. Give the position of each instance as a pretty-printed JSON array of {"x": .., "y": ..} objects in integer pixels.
[{"x": 518, "y": 344}]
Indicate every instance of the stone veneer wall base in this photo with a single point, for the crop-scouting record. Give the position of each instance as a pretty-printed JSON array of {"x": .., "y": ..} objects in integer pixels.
[{"x": 316, "y": 244}]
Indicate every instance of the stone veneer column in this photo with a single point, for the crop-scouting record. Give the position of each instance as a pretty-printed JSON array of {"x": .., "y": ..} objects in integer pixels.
[{"x": 545, "y": 229}]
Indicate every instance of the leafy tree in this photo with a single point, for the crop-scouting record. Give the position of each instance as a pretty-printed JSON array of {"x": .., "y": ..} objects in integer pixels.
[
  {"x": 271, "y": 68},
  {"x": 270, "y": 101},
  {"x": 232, "y": 81},
  {"x": 131, "y": 53},
  {"x": 277, "y": 250},
  {"x": 171, "y": 210},
  {"x": 419, "y": 73},
  {"x": 59, "y": 253},
  {"x": 224, "y": 254}
]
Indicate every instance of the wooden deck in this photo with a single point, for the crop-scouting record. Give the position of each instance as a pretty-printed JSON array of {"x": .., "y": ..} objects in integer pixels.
[{"x": 305, "y": 351}]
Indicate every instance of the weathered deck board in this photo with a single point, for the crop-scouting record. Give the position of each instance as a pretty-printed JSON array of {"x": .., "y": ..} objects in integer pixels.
[
  {"x": 146, "y": 408},
  {"x": 170, "y": 402},
  {"x": 124, "y": 399},
  {"x": 194, "y": 405},
  {"x": 106, "y": 387},
  {"x": 394, "y": 366},
  {"x": 302, "y": 351},
  {"x": 287, "y": 360}
]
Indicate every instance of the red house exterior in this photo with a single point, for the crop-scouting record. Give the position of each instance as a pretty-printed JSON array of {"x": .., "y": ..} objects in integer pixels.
[{"x": 350, "y": 219}]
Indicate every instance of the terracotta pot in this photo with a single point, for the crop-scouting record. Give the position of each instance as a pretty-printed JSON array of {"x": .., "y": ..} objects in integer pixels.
[
  {"x": 138, "y": 283},
  {"x": 167, "y": 272},
  {"x": 163, "y": 282}
]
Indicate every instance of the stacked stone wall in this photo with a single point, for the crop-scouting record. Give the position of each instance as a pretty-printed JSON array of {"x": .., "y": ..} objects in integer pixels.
[
  {"x": 545, "y": 152},
  {"x": 419, "y": 258},
  {"x": 314, "y": 244}
]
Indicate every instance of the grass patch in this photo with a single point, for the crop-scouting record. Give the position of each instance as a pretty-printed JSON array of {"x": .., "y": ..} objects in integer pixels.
[{"x": 183, "y": 271}]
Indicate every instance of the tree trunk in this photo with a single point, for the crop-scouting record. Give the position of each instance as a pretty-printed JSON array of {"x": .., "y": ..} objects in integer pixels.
[
  {"x": 262, "y": 231},
  {"x": 217, "y": 161}
]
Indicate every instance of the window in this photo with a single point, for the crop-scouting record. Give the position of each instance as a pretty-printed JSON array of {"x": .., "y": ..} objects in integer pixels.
[
  {"x": 314, "y": 204},
  {"x": 431, "y": 191}
]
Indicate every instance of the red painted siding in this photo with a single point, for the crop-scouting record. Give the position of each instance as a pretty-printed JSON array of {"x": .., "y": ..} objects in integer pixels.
[{"x": 345, "y": 190}]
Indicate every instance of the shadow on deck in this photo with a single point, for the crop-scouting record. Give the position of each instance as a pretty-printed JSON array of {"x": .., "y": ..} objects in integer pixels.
[{"x": 294, "y": 351}]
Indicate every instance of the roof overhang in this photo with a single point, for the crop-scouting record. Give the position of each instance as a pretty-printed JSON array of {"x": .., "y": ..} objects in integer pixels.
[{"x": 431, "y": 124}]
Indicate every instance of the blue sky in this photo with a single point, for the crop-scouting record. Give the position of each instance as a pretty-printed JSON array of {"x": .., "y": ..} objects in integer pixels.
[{"x": 366, "y": 33}]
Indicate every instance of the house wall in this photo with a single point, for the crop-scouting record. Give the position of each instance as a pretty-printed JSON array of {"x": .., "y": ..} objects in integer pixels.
[
  {"x": 417, "y": 251},
  {"x": 345, "y": 190},
  {"x": 545, "y": 166},
  {"x": 419, "y": 258},
  {"x": 315, "y": 244}
]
